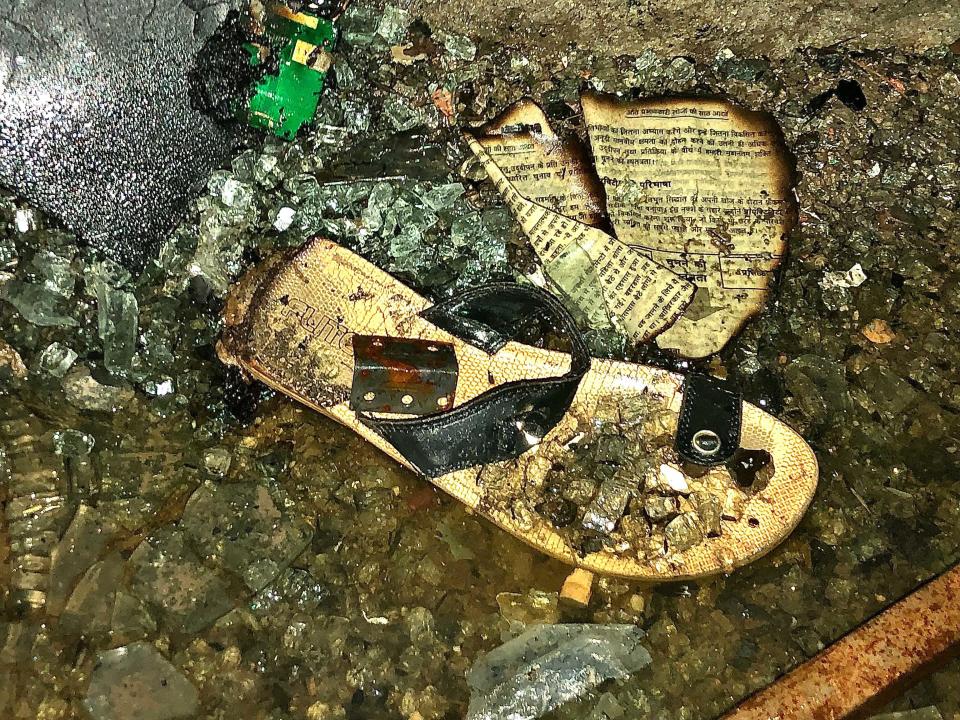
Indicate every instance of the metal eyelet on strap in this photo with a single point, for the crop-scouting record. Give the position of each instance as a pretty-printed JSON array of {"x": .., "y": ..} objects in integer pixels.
[
  {"x": 706, "y": 442},
  {"x": 708, "y": 430}
]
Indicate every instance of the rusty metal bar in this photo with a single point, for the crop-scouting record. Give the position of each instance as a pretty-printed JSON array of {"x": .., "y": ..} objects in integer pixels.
[{"x": 866, "y": 667}]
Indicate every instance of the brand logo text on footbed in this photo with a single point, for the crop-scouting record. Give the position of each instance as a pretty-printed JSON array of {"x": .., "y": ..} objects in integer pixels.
[{"x": 324, "y": 328}]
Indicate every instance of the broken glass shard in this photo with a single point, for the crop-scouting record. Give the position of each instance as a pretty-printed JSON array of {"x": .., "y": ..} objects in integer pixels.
[
  {"x": 55, "y": 272},
  {"x": 459, "y": 47},
  {"x": 56, "y": 359},
  {"x": 117, "y": 313},
  {"x": 135, "y": 682},
  {"x": 547, "y": 666},
  {"x": 36, "y": 303},
  {"x": 360, "y": 25},
  {"x": 117, "y": 316},
  {"x": 81, "y": 545},
  {"x": 393, "y": 24},
  {"x": 235, "y": 194},
  {"x": 89, "y": 610},
  {"x": 441, "y": 197},
  {"x": 401, "y": 115},
  {"x": 130, "y": 619},
  {"x": 244, "y": 529},
  {"x": 172, "y": 581},
  {"x": 608, "y": 506},
  {"x": 72, "y": 443}
]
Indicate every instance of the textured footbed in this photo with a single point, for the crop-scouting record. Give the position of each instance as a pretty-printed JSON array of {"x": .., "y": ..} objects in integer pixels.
[{"x": 289, "y": 323}]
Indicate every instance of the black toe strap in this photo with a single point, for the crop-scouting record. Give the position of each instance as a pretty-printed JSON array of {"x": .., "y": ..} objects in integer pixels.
[
  {"x": 708, "y": 431},
  {"x": 507, "y": 420}
]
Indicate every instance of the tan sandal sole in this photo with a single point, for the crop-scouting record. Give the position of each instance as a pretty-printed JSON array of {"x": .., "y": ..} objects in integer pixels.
[{"x": 289, "y": 323}]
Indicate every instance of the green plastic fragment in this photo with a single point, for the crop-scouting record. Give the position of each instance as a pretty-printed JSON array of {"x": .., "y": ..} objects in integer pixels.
[{"x": 286, "y": 100}]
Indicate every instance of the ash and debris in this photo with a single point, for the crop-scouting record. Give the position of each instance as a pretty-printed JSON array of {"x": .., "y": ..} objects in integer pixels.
[
  {"x": 618, "y": 485},
  {"x": 234, "y": 543}
]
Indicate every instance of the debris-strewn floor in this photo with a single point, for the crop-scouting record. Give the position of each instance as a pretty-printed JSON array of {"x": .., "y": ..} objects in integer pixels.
[{"x": 283, "y": 569}]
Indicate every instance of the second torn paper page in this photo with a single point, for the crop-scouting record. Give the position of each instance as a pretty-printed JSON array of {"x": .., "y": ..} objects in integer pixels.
[{"x": 704, "y": 188}]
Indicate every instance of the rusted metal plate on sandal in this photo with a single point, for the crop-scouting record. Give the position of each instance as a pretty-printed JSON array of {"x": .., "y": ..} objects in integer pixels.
[{"x": 402, "y": 375}]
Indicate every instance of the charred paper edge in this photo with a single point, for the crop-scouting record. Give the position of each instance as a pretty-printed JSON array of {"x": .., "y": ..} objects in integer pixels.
[
  {"x": 785, "y": 181},
  {"x": 574, "y": 153}
]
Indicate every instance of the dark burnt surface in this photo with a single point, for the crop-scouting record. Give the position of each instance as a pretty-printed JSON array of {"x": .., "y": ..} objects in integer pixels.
[{"x": 96, "y": 126}]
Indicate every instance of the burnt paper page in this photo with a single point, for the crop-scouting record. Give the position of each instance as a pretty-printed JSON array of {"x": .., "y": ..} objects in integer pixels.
[
  {"x": 704, "y": 188},
  {"x": 609, "y": 282}
]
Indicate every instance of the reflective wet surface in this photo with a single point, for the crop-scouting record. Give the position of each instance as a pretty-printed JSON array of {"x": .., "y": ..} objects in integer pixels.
[{"x": 96, "y": 121}]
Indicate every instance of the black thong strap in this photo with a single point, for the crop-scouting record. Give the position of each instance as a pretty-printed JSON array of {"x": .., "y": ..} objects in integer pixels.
[{"x": 505, "y": 421}]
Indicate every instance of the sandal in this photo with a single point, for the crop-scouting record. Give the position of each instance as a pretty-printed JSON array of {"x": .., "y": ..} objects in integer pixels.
[{"x": 615, "y": 468}]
